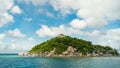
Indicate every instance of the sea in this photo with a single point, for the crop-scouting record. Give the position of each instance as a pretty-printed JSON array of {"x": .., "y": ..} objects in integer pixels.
[{"x": 15, "y": 61}]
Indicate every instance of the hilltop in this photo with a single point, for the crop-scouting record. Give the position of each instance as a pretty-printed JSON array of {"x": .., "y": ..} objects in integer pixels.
[{"x": 63, "y": 45}]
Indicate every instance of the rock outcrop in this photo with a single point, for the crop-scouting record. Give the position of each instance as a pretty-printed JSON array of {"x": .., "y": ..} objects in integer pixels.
[
  {"x": 70, "y": 52},
  {"x": 51, "y": 53},
  {"x": 23, "y": 54}
]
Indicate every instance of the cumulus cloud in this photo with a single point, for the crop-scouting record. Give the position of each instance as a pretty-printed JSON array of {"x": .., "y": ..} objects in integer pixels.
[
  {"x": 16, "y": 46},
  {"x": 15, "y": 10},
  {"x": 34, "y": 2},
  {"x": 108, "y": 37},
  {"x": 15, "y": 33},
  {"x": 79, "y": 24},
  {"x": 5, "y": 17},
  {"x": 72, "y": 28},
  {"x": 94, "y": 12},
  {"x": 53, "y": 31}
]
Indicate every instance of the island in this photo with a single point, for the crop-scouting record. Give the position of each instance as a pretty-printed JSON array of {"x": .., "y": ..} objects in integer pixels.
[{"x": 66, "y": 46}]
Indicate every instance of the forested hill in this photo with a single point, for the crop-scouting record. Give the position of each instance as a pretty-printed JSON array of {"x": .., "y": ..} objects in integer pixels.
[{"x": 63, "y": 43}]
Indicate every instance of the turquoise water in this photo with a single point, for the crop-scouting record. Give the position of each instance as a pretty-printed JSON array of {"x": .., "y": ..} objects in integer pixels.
[{"x": 14, "y": 61}]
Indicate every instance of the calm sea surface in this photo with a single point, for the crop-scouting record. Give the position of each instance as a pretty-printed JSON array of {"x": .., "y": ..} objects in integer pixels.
[{"x": 14, "y": 61}]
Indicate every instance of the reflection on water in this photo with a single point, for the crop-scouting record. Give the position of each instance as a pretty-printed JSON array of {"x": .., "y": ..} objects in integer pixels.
[{"x": 32, "y": 62}]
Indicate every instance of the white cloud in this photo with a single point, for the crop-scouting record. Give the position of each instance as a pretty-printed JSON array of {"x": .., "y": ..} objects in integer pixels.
[
  {"x": 16, "y": 46},
  {"x": 34, "y": 2},
  {"x": 6, "y": 5},
  {"x": 13, "y": 45},
  {"x": 50, "y": 15},
  {"x": 31, "y": 39},
  {"x": 79, "y": 24},
  {"x": 5, "y": 17},
  {"x": 28, "y": 19},
  {"x": 91, "y": 14},
  {"x": 114, "y": 34},
  {"x": 16, "y": 10},
  {"x": 2, "y": 36},
  {"x": 111, "y": 43},
  {"x": 109, "y": 37},
  {"x": 2, "y": 46},
  {"x": 39, "y": 2},
  {"x": 94, "y": 12},
  {"x": 64, "y": 6},
  {"x": 45, "y": 31},
  {"x": 15, "y": 33},
  {"x": 53, "y": 31},
  {"x": 94, "y": 33}
]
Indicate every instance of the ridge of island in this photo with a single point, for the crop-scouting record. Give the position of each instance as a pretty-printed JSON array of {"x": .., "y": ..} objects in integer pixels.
[{"x": 66, "y": 46}]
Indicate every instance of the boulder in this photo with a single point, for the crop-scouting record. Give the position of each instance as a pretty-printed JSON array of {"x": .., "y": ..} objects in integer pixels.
[
  {"x": 21, "y": 54},
  {"x": 52, "y": 52}
]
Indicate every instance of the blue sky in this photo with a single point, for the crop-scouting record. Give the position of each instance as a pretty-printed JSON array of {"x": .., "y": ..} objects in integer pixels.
[{"x": 25, "y": 23}]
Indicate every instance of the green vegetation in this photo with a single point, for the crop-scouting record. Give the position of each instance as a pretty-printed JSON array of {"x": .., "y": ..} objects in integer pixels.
[{"x": 62, "y": 42}]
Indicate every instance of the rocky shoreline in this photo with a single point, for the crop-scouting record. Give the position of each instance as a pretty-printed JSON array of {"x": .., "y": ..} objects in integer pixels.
[{"x": 70, "y": 52}]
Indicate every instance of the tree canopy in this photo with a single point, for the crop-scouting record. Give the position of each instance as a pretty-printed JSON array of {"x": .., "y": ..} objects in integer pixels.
[{"x": 61, "y": 43}]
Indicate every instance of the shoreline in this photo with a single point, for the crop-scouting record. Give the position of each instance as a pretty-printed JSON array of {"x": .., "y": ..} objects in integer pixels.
[{"x": 67, "y": 56}]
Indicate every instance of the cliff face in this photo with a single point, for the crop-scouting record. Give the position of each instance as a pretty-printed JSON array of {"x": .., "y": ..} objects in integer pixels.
[{"x": 68, "y": 46}]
